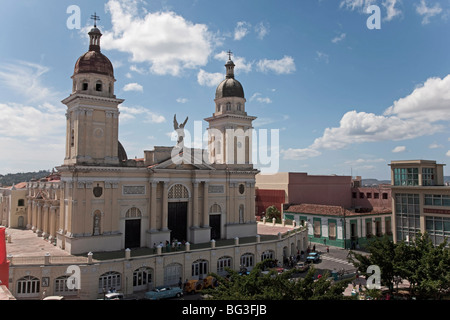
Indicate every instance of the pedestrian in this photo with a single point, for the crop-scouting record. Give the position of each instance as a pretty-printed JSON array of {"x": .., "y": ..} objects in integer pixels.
[
  {"x": 314, "y": 248},
  {"x": 180, "y": 283},
  {"x": 328, "y": 250}
]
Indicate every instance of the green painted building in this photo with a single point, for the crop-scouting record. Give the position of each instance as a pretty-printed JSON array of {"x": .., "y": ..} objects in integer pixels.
[{"x": 340, "y": 227}]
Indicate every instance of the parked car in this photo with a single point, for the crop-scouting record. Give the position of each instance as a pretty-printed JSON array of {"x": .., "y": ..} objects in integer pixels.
[
  {"x": 164, "y": 293},
  {"x": 114, "y": 296},
  {"x": 313, "y": 257},
  {"x": 301, "y": 266},
  {"x": 195, "y": 286},
  {"x": 54, "y": 298}
]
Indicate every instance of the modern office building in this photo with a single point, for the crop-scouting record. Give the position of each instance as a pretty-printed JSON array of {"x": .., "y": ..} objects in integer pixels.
[{"x": 420, "y": 200}]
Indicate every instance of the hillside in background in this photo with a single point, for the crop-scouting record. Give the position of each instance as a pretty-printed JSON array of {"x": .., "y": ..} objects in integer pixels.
[
  {"x": 14, "y": 178},
  {"x": 376, "y": 182}
]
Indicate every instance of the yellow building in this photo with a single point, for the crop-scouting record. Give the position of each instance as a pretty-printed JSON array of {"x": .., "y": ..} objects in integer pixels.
[{"x": 13, "y": 206}]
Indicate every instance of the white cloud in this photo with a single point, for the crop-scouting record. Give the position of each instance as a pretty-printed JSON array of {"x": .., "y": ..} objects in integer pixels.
[
  {"x": 391, "y": 7},
  {"x": 285, "y": 65},
  {"x": 165, "y": 40},
  {"x": 362, "y": 161},
  {"x": 133, "y": 87},
  {"x": 300, "y": 154},
  {"x": 182, "y": 100},
  {"x": 418, "y": 114},
  {"x": 148, "y": 116},
  {"x": 392, "y": 10},
  {"x": 399, "y": 149},
  {"x": 448, "y": 153},
  {"x": 435, "y": 145},
  {"x": 262, "y": 29},
  {"x": 209, "y": 79},
  {"x": 339, "y": 38},
  {"x": 428, "y": 102},
  {"x": 25, "y": 78},
  {"x": 241, "y": 30},
  {"x": 428, "y": 12},
  {"x": 322, "y": 57},
  {"x": 356, "y": 4},
  {"x": 31, "y": 123},
  {"x": 257, "y": 96}
]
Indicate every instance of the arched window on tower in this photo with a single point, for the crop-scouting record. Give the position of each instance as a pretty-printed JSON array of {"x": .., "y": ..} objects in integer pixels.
[
  {"x": 85, "y": 86},
  {"x": 228, "y": 106},
  {"x": 98, "y": 86},
  {"x": 239, "y": 107}
]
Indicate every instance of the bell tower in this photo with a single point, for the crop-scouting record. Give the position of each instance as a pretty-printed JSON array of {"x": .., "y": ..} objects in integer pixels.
[
  {"x": 230, "y": 128},
  {"x": 92, "y": 110}
]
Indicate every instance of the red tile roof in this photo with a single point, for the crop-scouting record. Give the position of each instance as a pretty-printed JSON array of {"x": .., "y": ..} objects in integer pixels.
[{"x": 332, "y": 210}]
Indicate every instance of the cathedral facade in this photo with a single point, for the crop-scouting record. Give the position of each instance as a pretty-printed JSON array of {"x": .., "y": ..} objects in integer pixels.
[{"x": 108, "y": 202}]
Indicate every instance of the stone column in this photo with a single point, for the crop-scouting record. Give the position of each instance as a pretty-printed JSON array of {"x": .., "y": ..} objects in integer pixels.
[
  {"x": 34, "y": 216},
  {"x": 45, "y": 221},
  {"x": 153, "y": 205},
  {"x": 39, "y": 220},
  {"x": 205, "y": 205},
  {"x": 29, "y": 213},
  {"x": 195, "y": 206},
  {"x": 52, "y": 230},
  {"x": 165, "y": 207}
]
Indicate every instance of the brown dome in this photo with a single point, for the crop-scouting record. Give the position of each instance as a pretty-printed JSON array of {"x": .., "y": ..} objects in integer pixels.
[
  {"x": 229, "y": 88},
  {"x": 94, "y": 62}
]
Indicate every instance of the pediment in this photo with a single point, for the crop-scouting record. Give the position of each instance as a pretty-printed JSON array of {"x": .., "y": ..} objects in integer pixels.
[{"x": 184, "y": 161}]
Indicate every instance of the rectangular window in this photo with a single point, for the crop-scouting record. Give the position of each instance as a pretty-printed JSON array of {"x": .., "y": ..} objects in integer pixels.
[
  {"x": 354, "y": 195},
  {"x": 369, "y": 195},
  {"x": 376, "y": 195},
  {"x": 437, "y": 228},
  {"x": 437, "y": 200},
  {"x": 332, "y": 230},
  {"x": 427, "y": 176},
  {"x": 317, "y": 229},
  {"x": 388, "y": 227},
  {"x": 368, "y": 228},
  {"x": 406, "y": 176},
  {"x": 385, "y": 196},
  {"x": 407, "y": 215}
]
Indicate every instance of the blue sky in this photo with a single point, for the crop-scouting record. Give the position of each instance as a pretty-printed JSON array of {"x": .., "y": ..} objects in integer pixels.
[{"x": 345, "y": 99}]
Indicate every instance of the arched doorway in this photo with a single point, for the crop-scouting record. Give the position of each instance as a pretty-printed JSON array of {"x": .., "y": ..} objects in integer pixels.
[
  {"x": 178, "y": 197},
  {"x": 133, "y": 228},
  {"x": 142, "y": 279}
]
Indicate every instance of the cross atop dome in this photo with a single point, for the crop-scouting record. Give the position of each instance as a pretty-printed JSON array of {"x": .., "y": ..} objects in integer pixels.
[
  {"x": 229, "y": 54},
  {"x": 96, "y": 18}
]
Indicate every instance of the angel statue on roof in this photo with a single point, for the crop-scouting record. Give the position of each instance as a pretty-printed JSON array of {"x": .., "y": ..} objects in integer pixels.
[{"x": 179, "y": 128}]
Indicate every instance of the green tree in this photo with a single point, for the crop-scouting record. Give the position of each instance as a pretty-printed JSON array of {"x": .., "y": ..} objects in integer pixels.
[
  {"x": 273, "y": 212},
  {"x": 272, "y": 286},
  {"x": 425, "y": 266},
  {"x": 381, "y": 254}
]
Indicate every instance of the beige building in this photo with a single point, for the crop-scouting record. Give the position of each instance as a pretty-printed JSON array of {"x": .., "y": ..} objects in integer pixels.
[
  {"x": 104, "y": 201},
  {"x": 14, "y": 206},
  {"x": 99, "y": 200},
  {"x": 420, "y": 200}
]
